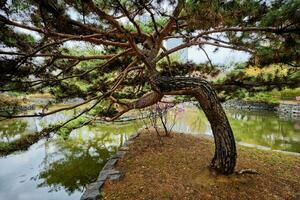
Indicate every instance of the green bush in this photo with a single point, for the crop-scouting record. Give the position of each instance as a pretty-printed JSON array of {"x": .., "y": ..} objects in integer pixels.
[
  {"x": 6, "y": 100},
  {"x": 290, "y": 93},
  {"x": 262, "y": 97}
]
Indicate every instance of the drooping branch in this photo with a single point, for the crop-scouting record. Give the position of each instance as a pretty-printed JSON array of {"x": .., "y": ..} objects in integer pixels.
[
  {"x": 25, "y": 142},
  {"x": 52, "y": 112},
  {"x": 38, "y": 82},
  {"x": 23, "y": 60},
  {"x": 101, "y": 66},
  {"x": 98, "y": 98},
  {"x": 62, "y": 56},
  {"x": 208, "y": 58},
  {"x": 20, "y": 25},
  {"x": 250, "y": 29},
  {"x": 234, "y": 47},
  {"x": 94, "y": 38}
]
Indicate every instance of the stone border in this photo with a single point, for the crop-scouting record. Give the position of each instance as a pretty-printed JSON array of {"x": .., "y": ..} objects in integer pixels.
[
  {"x": 108, "y": 172},
  {"x": 293, "y": 109},
  {"x": 247, "y": 105},
  {"x": 282, "y": 108},
  {"x": 17, "y": 108}
]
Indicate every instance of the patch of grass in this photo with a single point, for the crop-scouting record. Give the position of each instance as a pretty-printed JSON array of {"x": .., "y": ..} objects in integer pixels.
[
  {"x": 40, "y": 95},
  {"x": 6, "y": 100},
  {"x": 274, "y": 96},
  {"x": 288, "y": 93},
  {"x": 263, "y": 97}
]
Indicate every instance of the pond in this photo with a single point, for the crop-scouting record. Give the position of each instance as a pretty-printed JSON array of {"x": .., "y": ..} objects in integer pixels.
[{"x": 54, "y": 168}]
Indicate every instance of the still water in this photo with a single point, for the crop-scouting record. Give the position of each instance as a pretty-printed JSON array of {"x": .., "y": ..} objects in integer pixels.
[{"x": 55, "y": 168}]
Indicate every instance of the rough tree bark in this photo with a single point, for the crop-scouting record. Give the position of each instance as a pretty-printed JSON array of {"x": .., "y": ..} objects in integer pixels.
[{"x": 224, "y": 159}]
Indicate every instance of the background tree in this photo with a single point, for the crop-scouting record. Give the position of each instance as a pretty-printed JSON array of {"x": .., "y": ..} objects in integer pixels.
[{"x": 126, "y": 40}]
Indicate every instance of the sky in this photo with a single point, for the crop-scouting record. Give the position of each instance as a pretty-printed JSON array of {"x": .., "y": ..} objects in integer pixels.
[{"x": 222, "y": 56}]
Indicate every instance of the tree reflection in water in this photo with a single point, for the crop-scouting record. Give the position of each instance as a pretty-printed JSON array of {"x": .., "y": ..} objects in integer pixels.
[
  {"x": 266, "y": 129},
  {"x": 82, "y": 156},
  {"x": 253, "y": 127},
  {"x": 12, "y": 129}
]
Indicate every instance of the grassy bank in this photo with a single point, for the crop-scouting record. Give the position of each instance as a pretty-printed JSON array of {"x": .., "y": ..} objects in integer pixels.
[
  {"x": 177, "y": 169},
  {"x": 275, "y": 96}
]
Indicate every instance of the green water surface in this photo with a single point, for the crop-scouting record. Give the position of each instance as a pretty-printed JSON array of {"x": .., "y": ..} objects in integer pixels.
[{"x": 61, "y": 169}]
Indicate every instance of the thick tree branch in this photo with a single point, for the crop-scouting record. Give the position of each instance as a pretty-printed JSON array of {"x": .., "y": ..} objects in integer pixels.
[
  {"x": 152, "y": 18},
  {"x": 145, "y": 101},
  {"x": 169, "y": 27},
  {"x": 179, "y": 47},
  {"x": 127, "y": 14}
]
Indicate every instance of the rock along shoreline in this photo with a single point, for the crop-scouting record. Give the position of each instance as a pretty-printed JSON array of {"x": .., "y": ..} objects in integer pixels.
[
  {"x": 286, "y": 109},
  {"x": 108, "y": 172}
]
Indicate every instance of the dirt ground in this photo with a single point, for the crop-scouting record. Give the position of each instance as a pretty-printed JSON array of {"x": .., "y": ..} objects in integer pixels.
[{"x": 177, "y": 169}]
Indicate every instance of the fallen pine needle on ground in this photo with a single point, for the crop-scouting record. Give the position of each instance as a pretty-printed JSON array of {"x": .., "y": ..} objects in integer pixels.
[{"x": 177, "y": 169}]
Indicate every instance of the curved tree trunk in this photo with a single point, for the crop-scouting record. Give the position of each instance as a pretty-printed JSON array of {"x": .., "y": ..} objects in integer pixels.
[{"x": 224, "y": 159}]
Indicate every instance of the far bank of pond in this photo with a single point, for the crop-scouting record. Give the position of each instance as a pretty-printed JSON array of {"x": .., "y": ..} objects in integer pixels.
[
  {"x": 61, "y": 169},
  {"x": 288, "y": 108}
]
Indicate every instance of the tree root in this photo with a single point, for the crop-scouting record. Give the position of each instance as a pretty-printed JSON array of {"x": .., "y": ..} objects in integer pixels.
[{"x": 247, "y": 171}]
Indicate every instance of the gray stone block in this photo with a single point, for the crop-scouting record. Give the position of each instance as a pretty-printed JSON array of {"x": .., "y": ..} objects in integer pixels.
[
  {"x": 104, "y": 174},
  {"x": 115, "y": 177},
  {"x": 127, "y": 143},
  {"x": 124, "y": 148},
  {"x": 119, "y": 154},
  {"x": 110, "y": 164},
  {"x": 93, "y": 191},
  {"x": 133, "y": 136}
]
